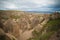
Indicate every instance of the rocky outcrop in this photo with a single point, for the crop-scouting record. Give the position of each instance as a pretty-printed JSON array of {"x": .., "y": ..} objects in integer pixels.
[{"x": 6, "y": 36}]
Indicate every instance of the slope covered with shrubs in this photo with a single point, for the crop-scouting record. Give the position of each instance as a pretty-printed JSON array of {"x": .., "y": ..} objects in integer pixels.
[{"x": 49, "y": 29}]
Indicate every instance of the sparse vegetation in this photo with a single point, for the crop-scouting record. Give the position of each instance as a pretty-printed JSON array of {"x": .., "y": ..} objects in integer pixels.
[
  {"x": 51, "y": 27},
  {"x": 15, "y": 17}
]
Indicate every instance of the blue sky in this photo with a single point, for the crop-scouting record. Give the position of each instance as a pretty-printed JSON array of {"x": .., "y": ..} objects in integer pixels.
[{"x": 30, "y": 5}]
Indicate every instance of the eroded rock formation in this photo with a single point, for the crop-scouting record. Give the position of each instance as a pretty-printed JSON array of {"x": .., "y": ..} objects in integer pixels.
[{"x": 15, "y": 25}]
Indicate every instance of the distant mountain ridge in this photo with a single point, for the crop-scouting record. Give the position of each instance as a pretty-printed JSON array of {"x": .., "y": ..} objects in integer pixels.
[{"x": 32, "y": 11}]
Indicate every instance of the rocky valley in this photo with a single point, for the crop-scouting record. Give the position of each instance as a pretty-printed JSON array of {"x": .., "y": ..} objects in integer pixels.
[{"x": 19, "y": 25}]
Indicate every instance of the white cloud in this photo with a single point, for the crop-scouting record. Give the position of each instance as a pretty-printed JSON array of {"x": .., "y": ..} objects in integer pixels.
[
  {"x": 35, "y": 3},
  {"x": 9, "y": 5},
  {"x": 28, "y": 5},
  {"x": 44, "y": 2}
]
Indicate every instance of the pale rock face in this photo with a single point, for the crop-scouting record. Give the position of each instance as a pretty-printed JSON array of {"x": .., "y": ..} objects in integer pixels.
[{"x": 12, "y": 28}]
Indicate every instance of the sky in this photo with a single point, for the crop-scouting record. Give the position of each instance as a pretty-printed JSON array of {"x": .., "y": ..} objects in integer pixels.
[{"x": 30, "y": 5}]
